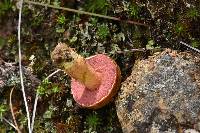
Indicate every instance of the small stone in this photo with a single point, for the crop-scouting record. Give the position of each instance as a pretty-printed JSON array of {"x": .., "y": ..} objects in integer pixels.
[
  {"x": 10, "y": 77},
  {"x": 162, "y": 97},
  {"x": 69, "y": 103}
]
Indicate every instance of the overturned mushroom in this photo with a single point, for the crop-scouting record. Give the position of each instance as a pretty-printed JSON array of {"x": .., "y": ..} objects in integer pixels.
[{"x": 95, "y": 80}]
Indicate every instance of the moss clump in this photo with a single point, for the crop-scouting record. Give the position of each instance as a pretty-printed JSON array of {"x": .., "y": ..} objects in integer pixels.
[{"x": 92, "y": 121}]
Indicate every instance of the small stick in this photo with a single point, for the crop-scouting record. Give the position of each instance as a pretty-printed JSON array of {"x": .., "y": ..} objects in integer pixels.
[
  {"x": 12, "y": 112},
  {"x": 133, "y": 50},
  {"x": 84, "y": 12},
  {"x": 195, "y": 49},
  {"x": 7, "y": 121},
  {"x": 20, "y": 64},
  {"x": 34, "y": 111},
  {"x": 140, "y": 50}
]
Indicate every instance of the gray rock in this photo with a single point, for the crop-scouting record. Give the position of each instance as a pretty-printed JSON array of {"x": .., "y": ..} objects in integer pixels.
[
  {"x": 10, "y": 78},
  {"x": 162, "y": 94}
]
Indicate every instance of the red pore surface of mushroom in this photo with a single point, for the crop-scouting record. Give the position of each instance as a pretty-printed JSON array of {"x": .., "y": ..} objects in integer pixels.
[{"x": 110, "y": 80}]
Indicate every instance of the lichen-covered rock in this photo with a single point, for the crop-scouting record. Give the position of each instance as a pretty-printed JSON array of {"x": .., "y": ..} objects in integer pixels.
[
  {"x": 10, "y": 78},
  {"x": 161, "y": 95}
]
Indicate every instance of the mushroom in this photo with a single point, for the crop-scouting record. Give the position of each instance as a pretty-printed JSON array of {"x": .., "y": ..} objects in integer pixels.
[{"x": 95, "y": 80}]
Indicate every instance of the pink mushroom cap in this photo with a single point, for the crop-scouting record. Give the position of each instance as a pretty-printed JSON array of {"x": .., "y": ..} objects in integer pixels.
[{"x": 110, "y": 82}]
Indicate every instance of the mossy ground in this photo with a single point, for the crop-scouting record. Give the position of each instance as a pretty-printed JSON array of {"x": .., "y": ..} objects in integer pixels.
[{"x": 42, "y": 28}]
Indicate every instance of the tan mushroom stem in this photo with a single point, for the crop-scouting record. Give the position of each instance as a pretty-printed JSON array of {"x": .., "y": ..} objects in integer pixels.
[{"x": 76, "y": 67}]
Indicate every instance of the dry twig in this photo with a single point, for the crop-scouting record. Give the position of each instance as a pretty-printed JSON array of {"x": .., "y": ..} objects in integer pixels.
[
  {"x": 195, "y": 49},
  {"x": 86, "y": 13},
  {"x": 12, "y": 112},
  {"x": 20, "y": 64},
  {"x": 10, "y": 123}
]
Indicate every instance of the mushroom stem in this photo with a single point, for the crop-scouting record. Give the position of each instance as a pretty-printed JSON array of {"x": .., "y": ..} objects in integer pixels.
[
  {"x": 75, "y": 66},
  {"x": 84, "y": 73}
]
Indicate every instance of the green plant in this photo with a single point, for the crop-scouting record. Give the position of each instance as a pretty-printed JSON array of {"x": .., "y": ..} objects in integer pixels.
[
  {"x": 61, "y": 22},
  {"x": 23, "y": 120},
  {"x": 5, "y": 6},
  {"x": 195, "y": 43},
  {"x": 43, "y": 125},
  {"x": 93, "y": 21},
  {"x": 103, "y": 31},
  {"x": 134, "y": 10},
  {"x": 56, "y": 3},
  {"x": 3, "y": 109},
  {"x": 61, "y": 19},
  {"x": 60, "y": 30},
  {"x": 55, "y": 89},
  {"x": 12, "y": 40},
  {"x": 49, "y": 113},
  {"x": 193, "y": 13},
  {"x": 180, "y": 28},
  {"x": 47, "y": 88},
  {"x": 92, "y": 121},
  {"x": 43, "y": 88},
  {"x": 38, "y": 19},
  {"x": 97, "y": 6}
]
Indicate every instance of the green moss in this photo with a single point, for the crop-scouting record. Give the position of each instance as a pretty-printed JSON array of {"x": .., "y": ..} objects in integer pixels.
[
  {"x": 93, "y": 121},
  {"x": 55, "y": 89},
  {"x": 56, "y": 3},
  {"x": 61, "y": 19},
  {"x": 5, "y": 6},
  {"x": 43, "y": 88},
  {"x": 94, "y": 21},
  {"x": 60, "y": 30},
  {"x": 49, "y": 113},
  {"x": 180, "y": 29},
  {"x": 195, "y": 43},
  {"x": 37, "y": 20},
  {"x": 103, "y": 31},
  {"x": 12, "y": 40},
  {"x": 46, "y": 88},
  {"x": 193, "y": 13},
  {"x": 97, "y": 6},
  {"x": 3, "y": 109},
  {"x": 134, "y": 10},
  {"x": 44, "y": 126}
]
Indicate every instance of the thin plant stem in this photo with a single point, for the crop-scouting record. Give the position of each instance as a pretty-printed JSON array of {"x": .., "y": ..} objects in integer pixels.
[
  {"x": 36, "y": 100},
  {"x": 53, "y": 74},
  {"x": 12, "y": 112},
  {"x": 84, "y": 12},
  {"x": 10, "y": 123},
  {"x": 20, "y": 65},
  {"x": 195, "y": 49},
  {"x": 34, "y": 111},
  {"x": 140, "y": 50},
  {"x": 132, "y": 50}
]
